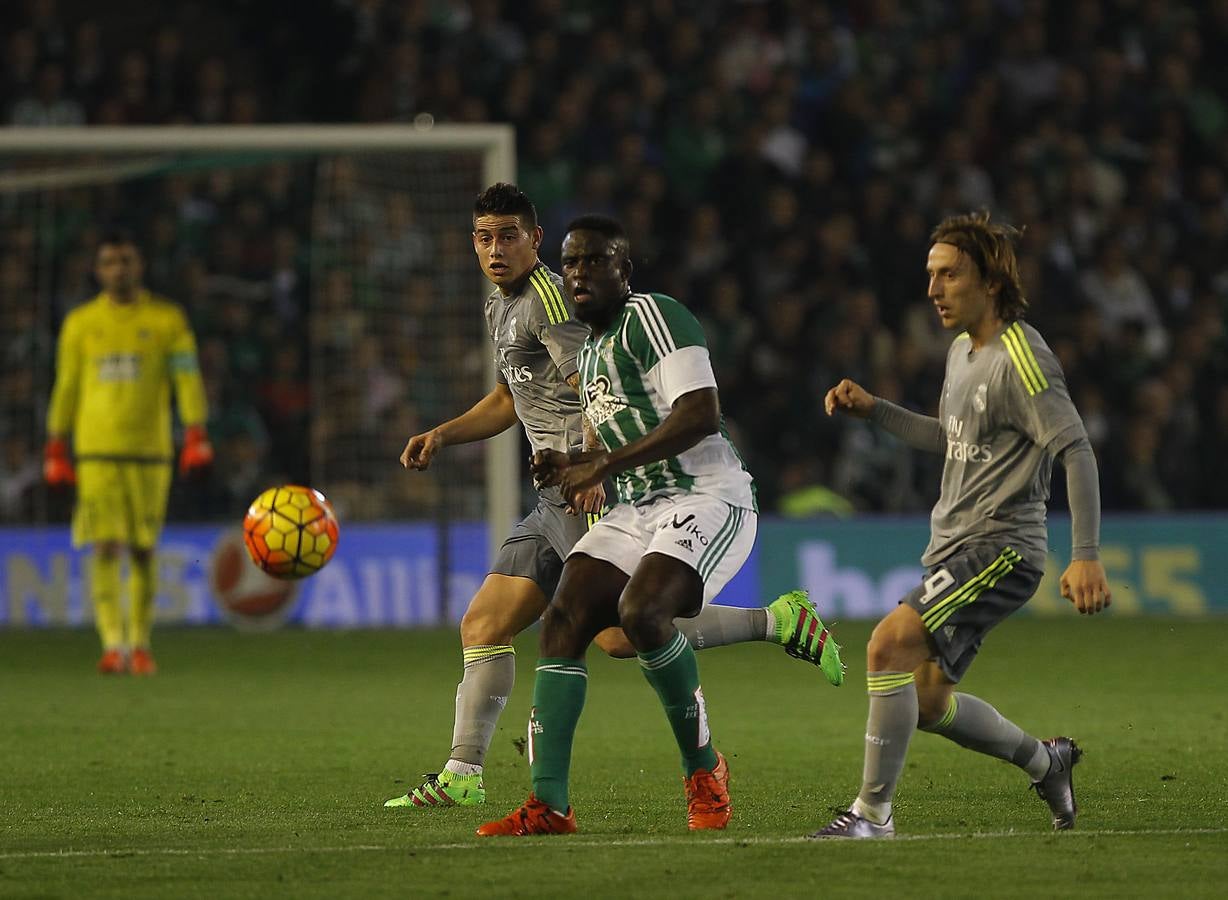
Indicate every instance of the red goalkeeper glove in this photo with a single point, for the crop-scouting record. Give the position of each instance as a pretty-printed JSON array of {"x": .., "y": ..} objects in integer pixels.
[
  {"x": 197, "y": 452},
  {"x": 57, "y": 467}
]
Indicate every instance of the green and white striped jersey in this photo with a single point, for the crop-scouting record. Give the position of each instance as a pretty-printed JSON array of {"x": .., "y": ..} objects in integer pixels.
[{"x": 630, "y": 376}]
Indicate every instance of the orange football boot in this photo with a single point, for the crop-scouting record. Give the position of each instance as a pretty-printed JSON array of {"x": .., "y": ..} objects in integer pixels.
[
  {"x": 113, "y": 663},
  {"x": 534, "y": 817},
  {"x": 142, "y": 662},
  {"x": 707, "y": 797}
]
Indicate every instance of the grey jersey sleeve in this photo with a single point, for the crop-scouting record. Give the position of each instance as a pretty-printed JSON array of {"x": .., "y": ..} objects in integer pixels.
[
  {"x": 914, "y": 429},
  {"x": 1083, "y": 489},
  {"x": 1040, "y": 407},
  {"x": 1038, "y": 402},
  {"x": 562, "y": 339}
]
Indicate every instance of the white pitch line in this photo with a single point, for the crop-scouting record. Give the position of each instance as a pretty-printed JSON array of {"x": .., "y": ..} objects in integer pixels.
[
  {"x": 696, "y": 841},
  {"x": 594, "y": 841}
]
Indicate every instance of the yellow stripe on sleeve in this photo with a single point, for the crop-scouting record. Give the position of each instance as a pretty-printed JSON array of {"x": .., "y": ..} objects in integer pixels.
[
  {"x": 1029, "y": 356},
  {"x": 556, "y": 312},
  {"x": 1025, "y": 360}
]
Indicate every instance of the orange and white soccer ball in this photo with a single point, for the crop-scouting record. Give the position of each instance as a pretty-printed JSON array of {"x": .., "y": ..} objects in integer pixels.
[{"x": 290, "y": 531}]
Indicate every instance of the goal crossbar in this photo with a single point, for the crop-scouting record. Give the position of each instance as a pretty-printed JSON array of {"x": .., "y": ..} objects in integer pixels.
[{"x": 495, "y": 142}]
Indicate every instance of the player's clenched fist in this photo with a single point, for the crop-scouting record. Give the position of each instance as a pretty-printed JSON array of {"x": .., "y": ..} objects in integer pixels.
[
  {"x": 421, "y": 449},
  {"x": 849, "y": 397},
  {"x": 548, "y": 466},
  {"x": 1084, "y": 584}
]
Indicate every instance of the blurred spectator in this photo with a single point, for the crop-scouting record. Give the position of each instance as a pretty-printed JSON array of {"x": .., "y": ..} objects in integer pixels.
[
  {"x": 779, "y": 165},
  {"x": 21, "y": 472},
  {"x": 47, "y": 106},
  {"x": 1120, "y": 295}
]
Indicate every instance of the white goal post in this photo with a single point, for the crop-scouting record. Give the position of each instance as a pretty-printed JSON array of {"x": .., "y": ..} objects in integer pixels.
[{"x": 495, "y": 144}]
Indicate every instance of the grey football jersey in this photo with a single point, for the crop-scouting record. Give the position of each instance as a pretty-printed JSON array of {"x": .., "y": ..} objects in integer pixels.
[
  {"x": 1005, "y": 410},
  {"x": 536, "y": 337}
]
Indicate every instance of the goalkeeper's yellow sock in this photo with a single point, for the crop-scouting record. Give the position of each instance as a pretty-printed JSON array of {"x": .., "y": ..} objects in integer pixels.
[
  {"x": 140, "y": 598},
  {"x": 104, "y": 592}
]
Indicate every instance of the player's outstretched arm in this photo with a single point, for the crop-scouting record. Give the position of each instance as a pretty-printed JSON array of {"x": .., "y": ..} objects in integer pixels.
[
  {"x": 493, "y": 414},
  {"x": 849, "y": 398},
  {"x": 916, "y": 430}
]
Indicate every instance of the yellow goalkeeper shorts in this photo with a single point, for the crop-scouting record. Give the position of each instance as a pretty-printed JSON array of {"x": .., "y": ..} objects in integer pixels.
[{"x": 124, "y": 502}]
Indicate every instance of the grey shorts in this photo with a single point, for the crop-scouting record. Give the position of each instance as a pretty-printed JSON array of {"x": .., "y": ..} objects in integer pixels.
[
  {"x": 539, "y": 544},
  {"x": 966, "y": 595}
]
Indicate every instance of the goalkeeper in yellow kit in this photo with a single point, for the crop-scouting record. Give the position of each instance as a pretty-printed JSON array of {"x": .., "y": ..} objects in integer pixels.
[{"x": 117, "y": 358}]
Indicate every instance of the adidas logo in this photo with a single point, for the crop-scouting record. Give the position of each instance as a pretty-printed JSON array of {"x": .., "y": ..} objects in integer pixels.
[{"x": 685, "y": 544}]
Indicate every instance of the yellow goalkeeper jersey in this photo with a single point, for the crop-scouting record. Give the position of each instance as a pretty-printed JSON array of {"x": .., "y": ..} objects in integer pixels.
[{"x": 115, "y": 364}]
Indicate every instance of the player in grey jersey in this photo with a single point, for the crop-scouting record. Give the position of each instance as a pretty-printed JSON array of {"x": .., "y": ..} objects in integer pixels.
[
  {"x": 535, "y": 340},
  {"x": 1004, "y": 416},
  {"x": 684, "y": 526}
]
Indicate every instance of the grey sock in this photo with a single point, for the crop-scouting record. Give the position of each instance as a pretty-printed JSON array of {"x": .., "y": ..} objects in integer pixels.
[
  {"x": 490, "y": 672},
  {"x": 718, "y": 626},
  {"x": 889, "y": 727},
  {"x": 973, "y": 723}
]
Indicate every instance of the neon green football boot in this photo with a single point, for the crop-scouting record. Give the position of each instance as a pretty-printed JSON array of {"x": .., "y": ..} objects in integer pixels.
[
  {"x": 444, "y": 789},
  {"x": 804, "y": 636}
]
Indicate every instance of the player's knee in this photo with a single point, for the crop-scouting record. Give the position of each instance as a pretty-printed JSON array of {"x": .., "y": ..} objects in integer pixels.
[
  {"x": 646, "y": 626},
  {"x": 562, "y": 633},
  {"x": 931, "y": 707},
  {"x": 886, "y": 649},
  {"x": 899, "y": 643},
  {"x": 614, "y": 642},
  {"x": 484, "y": 626},
  {"x": 881, "y": 650}
]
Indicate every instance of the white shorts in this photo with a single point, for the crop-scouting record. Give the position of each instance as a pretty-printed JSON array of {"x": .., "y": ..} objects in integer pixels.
[{"x": 708, "y": 534}]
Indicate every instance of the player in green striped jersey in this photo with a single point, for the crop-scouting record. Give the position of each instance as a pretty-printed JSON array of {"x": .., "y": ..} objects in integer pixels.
[
  {"x": 1004, "y": 417},
  {"x": 684, "y": 525},
  {"x": 535, "y": 339}
]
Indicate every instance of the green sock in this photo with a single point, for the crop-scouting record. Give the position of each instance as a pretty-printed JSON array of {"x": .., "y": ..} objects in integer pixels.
[
  {"x": 558, "y": 698},
  {"x": 672, "y": 671}
]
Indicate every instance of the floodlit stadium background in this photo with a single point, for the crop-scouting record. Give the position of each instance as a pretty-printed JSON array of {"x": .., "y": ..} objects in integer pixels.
[{"x": 779, "y": 166}]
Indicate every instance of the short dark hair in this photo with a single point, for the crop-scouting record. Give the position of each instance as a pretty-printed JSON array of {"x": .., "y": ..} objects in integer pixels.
[
  {"x": 606, "y": 226},
  {"x": 611, "y": 228},
  {"x": 991, "y": 247},
  {"x": 503, "y": 199},
  {"x": 117, "y": 236}
]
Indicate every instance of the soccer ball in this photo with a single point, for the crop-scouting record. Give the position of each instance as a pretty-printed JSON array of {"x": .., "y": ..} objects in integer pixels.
[{"x": 290, "y": 531}]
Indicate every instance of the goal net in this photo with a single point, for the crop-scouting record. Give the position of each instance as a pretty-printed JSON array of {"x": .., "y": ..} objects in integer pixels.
[{"x": 329, "y": 276}]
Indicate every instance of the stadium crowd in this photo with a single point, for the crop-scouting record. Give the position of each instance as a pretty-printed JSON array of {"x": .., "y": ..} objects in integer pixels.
[{"x": 778, "y": 164}]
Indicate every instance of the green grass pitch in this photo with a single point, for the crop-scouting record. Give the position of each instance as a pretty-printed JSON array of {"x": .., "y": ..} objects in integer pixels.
[{"x": 257, "y": 765}]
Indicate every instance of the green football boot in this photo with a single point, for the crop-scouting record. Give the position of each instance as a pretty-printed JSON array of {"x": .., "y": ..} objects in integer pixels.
[
  {"x": 803, "y": 635},
  {"x": 444, "y": 789}
]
